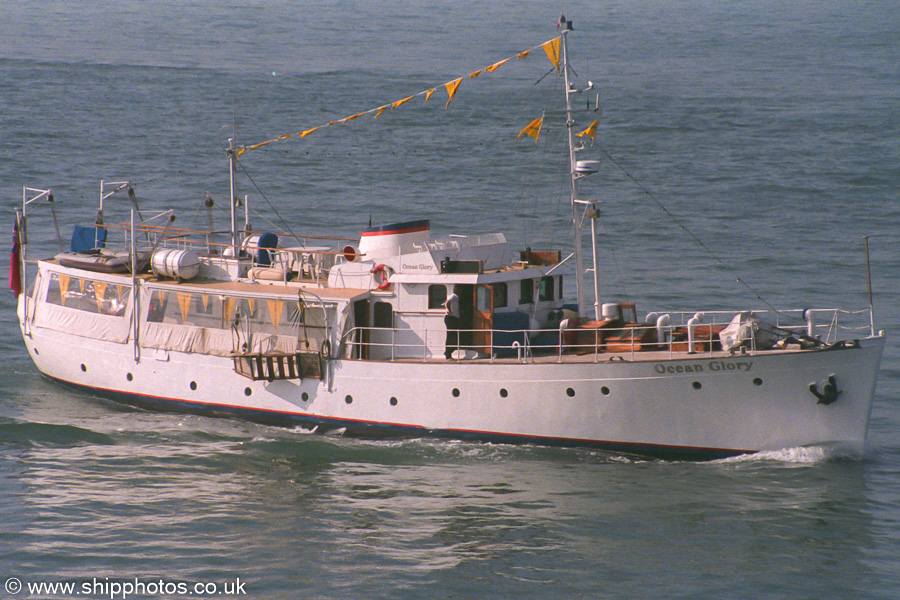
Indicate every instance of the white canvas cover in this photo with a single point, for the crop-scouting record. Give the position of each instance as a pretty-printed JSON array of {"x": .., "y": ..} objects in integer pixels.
[{"x": 747, "y": 330}]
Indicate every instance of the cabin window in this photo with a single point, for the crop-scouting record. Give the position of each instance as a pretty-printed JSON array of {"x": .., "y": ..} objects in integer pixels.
[
  {"x": 437, "y": 296},
  {"x": 559, "y": 291},
  {"x": 526, "y": 292},
  {"x": 546, "y": 289},
  {"x": 500, "y": 295},
  {"x": 482, "y": 299},
  {"x": 88, "y": 295},
  {"x": 383, "y": 316}
]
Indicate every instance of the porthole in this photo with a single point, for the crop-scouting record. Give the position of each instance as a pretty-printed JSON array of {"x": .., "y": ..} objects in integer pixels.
[
  {"x": 393, "y": 401},
  {"x": 193, "y": 385},
  {"x": 503, "y": 393},
  {"x": 348, "y": 399},
  {"x": 570, "y": 392},
  {"x": 304, "y": 396},
  {"x": 697, "y": 385},
  {"x": 129, "y": 377},
  {"x": 455, "y": 392},
  {"x": 604, "y": 390},
  {"x": 83, "y": 369},
  {"x": 247, "y": 391},
  {"x": 757, "y": 382}
]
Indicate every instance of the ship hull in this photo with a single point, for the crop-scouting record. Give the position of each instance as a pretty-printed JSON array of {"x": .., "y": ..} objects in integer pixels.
[{"x": 698, "y": 407}]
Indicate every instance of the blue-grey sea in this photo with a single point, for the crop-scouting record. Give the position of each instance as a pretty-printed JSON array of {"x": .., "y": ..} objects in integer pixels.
[{"x": 748, "y": 149}]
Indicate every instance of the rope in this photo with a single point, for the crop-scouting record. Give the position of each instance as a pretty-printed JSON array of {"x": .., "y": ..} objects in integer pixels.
[{"x": 690, "y": 233}]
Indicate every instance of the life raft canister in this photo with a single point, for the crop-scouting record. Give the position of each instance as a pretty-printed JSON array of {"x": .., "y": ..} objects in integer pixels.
[{"x": 382, "y": 275}]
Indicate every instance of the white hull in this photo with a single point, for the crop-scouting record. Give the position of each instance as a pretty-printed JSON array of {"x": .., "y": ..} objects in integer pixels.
[{"x": 743, "y": 403}]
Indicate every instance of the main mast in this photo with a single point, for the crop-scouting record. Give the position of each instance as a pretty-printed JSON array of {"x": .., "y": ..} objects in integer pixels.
[
  {"x": 580, "y": 208},
  {"x": 232, "y": 194},
  {"x": 573, "y": 176}
]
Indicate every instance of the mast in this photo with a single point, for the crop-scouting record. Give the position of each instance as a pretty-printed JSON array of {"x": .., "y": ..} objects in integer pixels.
[
  {"x": 573, "y": 175},
  {"x": 581, "y": 209},
  {"x": 232, "y": 195}
]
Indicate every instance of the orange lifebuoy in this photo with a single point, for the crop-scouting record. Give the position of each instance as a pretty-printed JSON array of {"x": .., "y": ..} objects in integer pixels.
[{"x": 382, "y": 274}]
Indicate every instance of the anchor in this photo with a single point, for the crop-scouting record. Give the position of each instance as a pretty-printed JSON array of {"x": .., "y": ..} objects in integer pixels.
[{"x": 829, "y": 393}]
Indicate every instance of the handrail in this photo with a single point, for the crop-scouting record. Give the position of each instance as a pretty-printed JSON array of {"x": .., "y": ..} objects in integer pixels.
[{"x": 625, "y": 340}]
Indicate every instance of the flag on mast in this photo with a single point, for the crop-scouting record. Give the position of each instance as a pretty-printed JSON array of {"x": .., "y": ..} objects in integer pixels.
[
  {"x": 533, "y": 129},
  {"x": 15, "y": 273}
]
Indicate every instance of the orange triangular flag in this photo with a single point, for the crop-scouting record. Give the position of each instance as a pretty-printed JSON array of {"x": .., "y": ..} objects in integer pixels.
[
  {"x": 451, "y": 87},
  {"x": 533, "y": 129},
  {"x": 591, "y": 131},
  {"x": 552, "y": 50},
  {"x": 496, "y": 65},
  {"x": 399, "y": 102}
]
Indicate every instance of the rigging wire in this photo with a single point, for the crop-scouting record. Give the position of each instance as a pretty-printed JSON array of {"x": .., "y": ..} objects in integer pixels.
[
  {"x": 271, "y": 206},
  {"x": 684, "y": 228}
]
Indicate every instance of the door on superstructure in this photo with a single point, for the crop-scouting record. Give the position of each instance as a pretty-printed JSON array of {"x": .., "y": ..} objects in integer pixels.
[
  {"x": 483, "y": 318},
  {"x": 361, "y": 322}
]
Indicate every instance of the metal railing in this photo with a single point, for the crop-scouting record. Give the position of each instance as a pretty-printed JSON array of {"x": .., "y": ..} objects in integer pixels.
[{"x": 679, "y": 333}]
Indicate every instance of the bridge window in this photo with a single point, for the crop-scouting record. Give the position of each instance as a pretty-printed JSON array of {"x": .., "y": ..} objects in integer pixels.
[
  {"x": 546, "y": 289},
  {"x": 500, "y": 295},
  {"x": 437, "y": 296},
  {"x": 526, "y": 291}
]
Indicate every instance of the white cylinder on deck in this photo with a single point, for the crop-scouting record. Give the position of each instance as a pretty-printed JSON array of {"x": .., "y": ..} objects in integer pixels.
[
  {"x": 179, "y": 264},
  {"x": 609, "y": 311}
]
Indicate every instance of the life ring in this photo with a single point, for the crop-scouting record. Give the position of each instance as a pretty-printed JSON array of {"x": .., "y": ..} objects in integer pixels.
[{"x": 382, "y": 275}]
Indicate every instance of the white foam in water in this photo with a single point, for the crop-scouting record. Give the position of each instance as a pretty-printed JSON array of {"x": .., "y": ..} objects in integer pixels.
[{"x": 801, "y": 455}]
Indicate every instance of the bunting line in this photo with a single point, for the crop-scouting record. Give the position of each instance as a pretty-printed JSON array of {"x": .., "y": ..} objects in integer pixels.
[{"x": 551, "y": 48}]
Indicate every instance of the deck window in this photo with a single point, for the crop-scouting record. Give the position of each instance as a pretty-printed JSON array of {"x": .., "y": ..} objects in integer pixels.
[
  {"x": 88, "y": 295},
  {"x": 500, "y": 295},
  {"x": 437, "y": 296},
  {"x": 546, "y": 289},
  {"x": 526, "y": 291},
  {"x": 383, "y": 316}
]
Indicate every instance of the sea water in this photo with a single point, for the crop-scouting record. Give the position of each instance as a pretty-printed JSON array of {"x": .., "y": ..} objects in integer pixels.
[{"x": 747, "y": 151}]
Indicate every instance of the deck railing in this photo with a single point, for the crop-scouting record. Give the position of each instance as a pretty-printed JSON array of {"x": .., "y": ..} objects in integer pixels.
[{"x": 684, "y": 333}]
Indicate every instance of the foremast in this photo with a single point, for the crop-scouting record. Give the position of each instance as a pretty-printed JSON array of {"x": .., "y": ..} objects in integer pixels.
[{"x": 581, "y": 209}]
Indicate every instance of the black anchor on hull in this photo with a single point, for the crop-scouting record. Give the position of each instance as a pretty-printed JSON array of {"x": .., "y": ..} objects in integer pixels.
[{"x": 829, "y": 393}]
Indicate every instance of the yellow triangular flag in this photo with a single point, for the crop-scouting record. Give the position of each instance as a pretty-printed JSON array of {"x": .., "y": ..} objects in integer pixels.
[
  {"x": 399, "y": 102},
  {"x": 380, "y": 110},
  {"x": 591, "y": 131},
  {"x": 99, "y": 293},
  {"x": 533, "y": 129},
  {"x": 451, "y": 87},
  {"x": 309, "y": 131},
  {"x": 63, "y": 288},
  {"x": 496, "y": 65},
  {"x": 228, "y": 309},
  {"x": 475, "y": 74},
  {"x": 205, "y": 299},
  {"x": 275, "y": 308},
  {"x": 552, "y": 50},
  {"x": 428, "y": 94},
  {"x": 184, "y": 303},
  {"x": 523, "y": 54}
]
